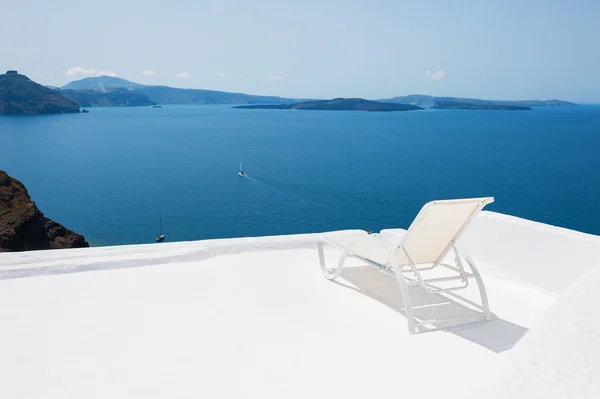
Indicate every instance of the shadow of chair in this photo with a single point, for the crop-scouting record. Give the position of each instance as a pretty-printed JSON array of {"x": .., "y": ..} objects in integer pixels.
[{"x": 496, "y": 335}]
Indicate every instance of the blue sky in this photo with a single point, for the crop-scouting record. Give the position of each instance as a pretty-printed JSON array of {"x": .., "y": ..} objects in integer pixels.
[{"x": 327, "y": 48}]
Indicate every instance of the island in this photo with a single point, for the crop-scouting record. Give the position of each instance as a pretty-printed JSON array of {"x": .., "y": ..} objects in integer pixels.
[
  {"x": 539, "y": 103},
  {"x": 19, "y": 95},
  {"x": 428, "y": 101},
  {"x": 338, "y": 104},
  {"x": 485, "y": 107},
  {"x": 23, "y": 227}
]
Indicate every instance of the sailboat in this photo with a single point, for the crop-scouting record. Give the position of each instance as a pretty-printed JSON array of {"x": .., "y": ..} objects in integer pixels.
[
  {"x": 241, "y": 172},
  {"x": 161, "y": 236}
]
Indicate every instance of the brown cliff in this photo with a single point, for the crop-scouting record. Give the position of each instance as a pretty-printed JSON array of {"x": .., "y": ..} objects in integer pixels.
[{"x": 24, "y": 227}]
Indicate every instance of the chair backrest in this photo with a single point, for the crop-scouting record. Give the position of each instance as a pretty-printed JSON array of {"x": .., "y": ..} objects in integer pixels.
[{"x": 438, "y": 225}]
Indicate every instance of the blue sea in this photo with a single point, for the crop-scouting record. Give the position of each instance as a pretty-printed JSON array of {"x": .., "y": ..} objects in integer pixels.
[{"x": 111, "y": 174}]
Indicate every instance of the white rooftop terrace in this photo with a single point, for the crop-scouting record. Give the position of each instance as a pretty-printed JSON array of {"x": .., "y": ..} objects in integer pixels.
[{"x": 254, "y": 318}]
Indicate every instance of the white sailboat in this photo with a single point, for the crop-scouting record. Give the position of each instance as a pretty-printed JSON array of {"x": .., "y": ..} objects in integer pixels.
[
  {"x": 161, "y": 236},
  {"x": 241, "y": 172}
]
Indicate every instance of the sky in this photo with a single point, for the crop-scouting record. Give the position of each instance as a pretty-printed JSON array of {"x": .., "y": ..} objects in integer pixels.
[{"x": 503, "y": 50}]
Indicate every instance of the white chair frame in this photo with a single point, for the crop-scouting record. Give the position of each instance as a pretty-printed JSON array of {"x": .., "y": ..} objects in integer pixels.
[{"x": 392, "y": 268}]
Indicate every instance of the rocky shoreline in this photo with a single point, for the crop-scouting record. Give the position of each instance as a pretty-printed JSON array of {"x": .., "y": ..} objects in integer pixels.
[{"x": 23, "y": 227}]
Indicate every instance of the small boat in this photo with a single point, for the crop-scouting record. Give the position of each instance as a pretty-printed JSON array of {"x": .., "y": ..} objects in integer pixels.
[
  {"x": 241, "y": 172},
  {"x": 161, "y": 236},
  {"x": 156, "y": 106}
]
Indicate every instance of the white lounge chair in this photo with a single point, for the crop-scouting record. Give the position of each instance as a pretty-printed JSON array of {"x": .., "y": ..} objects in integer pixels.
[{"x": 424, "y": 247}]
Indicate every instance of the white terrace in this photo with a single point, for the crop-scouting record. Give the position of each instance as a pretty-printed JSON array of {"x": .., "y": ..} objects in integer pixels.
[{"x": 255, "y": 318}]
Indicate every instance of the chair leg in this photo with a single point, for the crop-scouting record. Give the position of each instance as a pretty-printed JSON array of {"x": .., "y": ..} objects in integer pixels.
[
  {"x": 482, "y": 292},
  {"x": 333, "y": 274},
  {"x": 330, "y": 274},
  {"x": 410, "y": 318}
]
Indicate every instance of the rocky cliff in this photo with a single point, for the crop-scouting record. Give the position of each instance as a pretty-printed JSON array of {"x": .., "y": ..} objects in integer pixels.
[
  {"x": 20, "y": 95},
  {"x": 24, "y": 227}
]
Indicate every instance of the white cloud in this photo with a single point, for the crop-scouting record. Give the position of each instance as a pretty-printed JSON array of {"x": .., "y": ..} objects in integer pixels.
[
  {"x": 182, "y": 75},
  {"x": 83, "y": 72},
  {"x": 436, "y": 75},
  {"x": 149, "y": 73},
  {"x": 220, "y": 74},
  {"x": 277, "y": 77}
]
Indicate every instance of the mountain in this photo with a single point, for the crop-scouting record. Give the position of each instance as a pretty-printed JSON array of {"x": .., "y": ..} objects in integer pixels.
[
  {"x": 338, "y": 104},
  {"x": 101, "y": 83},
  {"x": 155, "y": 94},
  {"x": 428, "y": 101},
  {"x": 108, "y": 98},
  {"x": 539, "y": 103},
  {"x": 171, "y": 95},
  {"x": 20, "y": 95},
  {"x": 459, "y": 105},
  {"x": 413, "y": 99},
  {"x": 24, "y": 227}
]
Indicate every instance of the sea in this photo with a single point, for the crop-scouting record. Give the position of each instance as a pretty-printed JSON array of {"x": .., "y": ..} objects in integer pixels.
[{"x": 113, "y": 173}]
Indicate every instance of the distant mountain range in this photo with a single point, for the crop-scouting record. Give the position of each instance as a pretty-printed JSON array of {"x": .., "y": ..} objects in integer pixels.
[
  {"x": 429, "y": 101},
  {"x": 115, "y": 97},
  {"x": 101, "y": 83},
  {"x": 20, "y": 95},
  {"x": 112, "y": 91}
]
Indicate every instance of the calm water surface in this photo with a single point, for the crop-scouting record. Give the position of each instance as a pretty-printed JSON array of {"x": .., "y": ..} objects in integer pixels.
[{"x": 111, "y": 173}]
